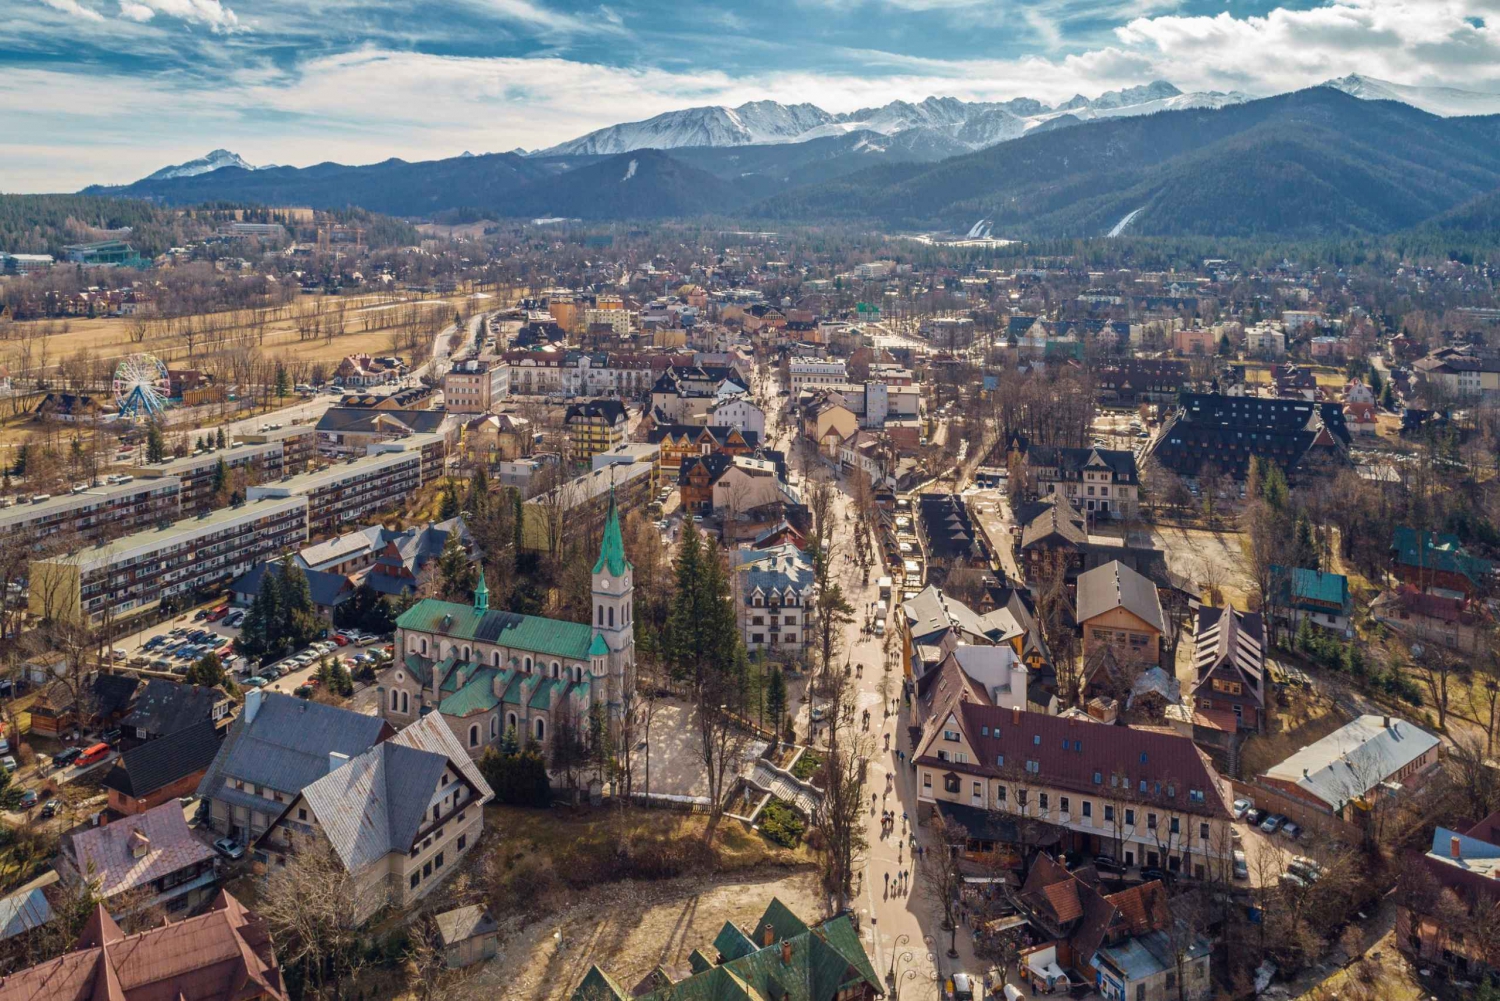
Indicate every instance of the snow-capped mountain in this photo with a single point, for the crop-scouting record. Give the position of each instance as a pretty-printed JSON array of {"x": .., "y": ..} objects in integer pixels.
[
  {"x": 942, "y": 123},
  {"x": 1447, "y": 102},
  {"x": 756, "y": 122},
  {"x": 216, "y": 160}
]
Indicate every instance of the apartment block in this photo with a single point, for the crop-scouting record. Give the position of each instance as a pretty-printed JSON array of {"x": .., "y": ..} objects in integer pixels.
[
  {"x": 252, "y": 459},
  {"x": 473, "y": 387},
  {"x": 136, "y": 572},
  {"x": 354, "y": 488},
  {"x": 97, "y": 513}
]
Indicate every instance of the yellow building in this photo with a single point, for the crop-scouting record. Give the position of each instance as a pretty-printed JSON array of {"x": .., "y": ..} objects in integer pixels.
[{"x": 595, "y": 426}]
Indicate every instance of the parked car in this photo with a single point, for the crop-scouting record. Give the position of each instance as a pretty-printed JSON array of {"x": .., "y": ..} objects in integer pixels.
[
  {"x": 1107, "y": 863},
  {"x": 28, "y": 799},
  {"x": 229, "y": 848},
  {"x": 8, "y": 763},
  {"x": 1253, "y": 817},
  {"x": 66, "y": 757},
  {"x": 1147, "y": 875},
  {"x": 111, "y": 736},
  {"x": 1241, "y": 807},
  {"x": 1241, "y": 867},
  {"x": 340, "y": 640},
  {"x": 1292, "y": 830},
  {"x": 1293, "y": 880},
  {"x": 1306, "y": 873},
  {"x": 255, "y": 682},
  {"x": 49, "y": 808},
  {"x": 92, "y": 754},
  {"x": 1272, "y": 823}
]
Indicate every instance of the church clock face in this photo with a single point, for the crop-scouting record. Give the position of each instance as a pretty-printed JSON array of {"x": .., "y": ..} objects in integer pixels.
[{"x": 604, "y": 583}]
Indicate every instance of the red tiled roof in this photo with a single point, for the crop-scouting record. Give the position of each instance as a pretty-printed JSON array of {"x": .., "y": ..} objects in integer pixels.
[
  {"x": 1069, "y": 754},
  {"x": 1064, "y": 900},
  {"x": 222, "y": 955}
]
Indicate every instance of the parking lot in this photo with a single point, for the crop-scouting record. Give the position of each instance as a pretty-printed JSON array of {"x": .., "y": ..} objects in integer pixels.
[{"x": 175, "y": 645}]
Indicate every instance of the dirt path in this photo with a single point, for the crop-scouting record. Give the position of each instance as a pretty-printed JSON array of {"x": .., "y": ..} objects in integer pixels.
[{"x": 630, "y": 928}]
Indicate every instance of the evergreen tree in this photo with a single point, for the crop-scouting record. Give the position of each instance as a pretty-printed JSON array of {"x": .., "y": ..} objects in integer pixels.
[
  {"x": 299, "y": 616},
  {"x": 776, "y": 697},
  {"x": 220, "y": 440},
  {"x": 156, "y": 445},
  {"x": 509, "y": 743},
  {"x": 207, "y": 670},
  {"x": 456, "y": 577},
  {"x": 1376, "y": 383},
  {"x": 262, "y": 622},
  {"x": 1388, "y": 397},
  {"x": 221, "y": 477},
  {"x": 449, "y": 507},
  {"x": 1306, "y": 550},
  {"x": 479, "y": 501},
  {"x": 282, "y": 384}
]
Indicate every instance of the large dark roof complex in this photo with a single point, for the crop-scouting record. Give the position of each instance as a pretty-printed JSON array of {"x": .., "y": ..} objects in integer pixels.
[{"x": 1228, "y": 431}]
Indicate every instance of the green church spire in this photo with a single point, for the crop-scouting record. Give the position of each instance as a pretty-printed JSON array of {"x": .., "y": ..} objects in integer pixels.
[
  {"x": 481, "y": 594},
  {"x": 612, "y": 549}
]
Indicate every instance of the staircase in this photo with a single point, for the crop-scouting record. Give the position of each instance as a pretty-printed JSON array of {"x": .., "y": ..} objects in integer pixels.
[{"x": 803, "y": 797}]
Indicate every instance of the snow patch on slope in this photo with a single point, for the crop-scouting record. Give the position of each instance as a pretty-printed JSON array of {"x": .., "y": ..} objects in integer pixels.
[
  {"x": 1446, "y": 102},
  {"x": 629, "y": 171},
  {"x": 1129, "y": 218}
]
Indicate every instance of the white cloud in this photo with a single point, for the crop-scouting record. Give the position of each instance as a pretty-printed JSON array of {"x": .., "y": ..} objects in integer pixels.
[
  {"x": 75, "y": 8},
  {"x": 370, "y": 103},
  {"x": 208, "y": 12}
]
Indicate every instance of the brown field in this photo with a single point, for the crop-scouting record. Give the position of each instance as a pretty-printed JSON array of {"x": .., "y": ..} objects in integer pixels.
[{"x": 368, "y": 319}]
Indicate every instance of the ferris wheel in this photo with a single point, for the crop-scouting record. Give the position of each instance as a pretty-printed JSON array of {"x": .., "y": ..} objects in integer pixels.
[{"x": 141, "y": 386}]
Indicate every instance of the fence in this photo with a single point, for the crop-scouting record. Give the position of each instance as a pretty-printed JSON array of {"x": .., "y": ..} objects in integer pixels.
[{"x": 1310, "y": 818}]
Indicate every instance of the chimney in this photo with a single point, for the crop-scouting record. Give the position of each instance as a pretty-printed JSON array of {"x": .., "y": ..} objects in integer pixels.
[
  {"x": 1304, "y": 773},
  {"x": 768, "y": 934},
  {"x": 786, "y": 952},
  {"x": 1387, "y": 722},
  {"x": 337, "y": 760},
  {"x": 1453, "y": 847},
  {"x": 1015, "y": 715},
  {"x": 253, "y": 699}
]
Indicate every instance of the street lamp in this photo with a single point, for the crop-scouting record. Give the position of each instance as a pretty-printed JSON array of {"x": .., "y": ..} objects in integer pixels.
[{"x": 890, "y": 977}]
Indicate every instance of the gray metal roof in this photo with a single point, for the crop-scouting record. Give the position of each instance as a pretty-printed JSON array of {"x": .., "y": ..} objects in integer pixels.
[
  {"x": 285, "y": 742},
  {"x": 375, "y": 804},
  {"x": 432, "y": 733},
  {"x": 1354, "y": 759},
  {"x": 1115, "y": 585}
]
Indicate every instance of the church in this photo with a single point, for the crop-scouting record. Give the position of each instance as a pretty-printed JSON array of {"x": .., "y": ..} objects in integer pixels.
[{"x": 486, "y": 670}]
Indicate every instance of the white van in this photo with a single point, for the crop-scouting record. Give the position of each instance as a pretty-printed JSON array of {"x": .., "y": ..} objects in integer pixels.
[{"x": 880, "y": 627}]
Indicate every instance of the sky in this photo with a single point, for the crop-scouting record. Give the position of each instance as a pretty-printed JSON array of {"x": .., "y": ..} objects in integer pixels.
[{"x": 106, "y": 91}]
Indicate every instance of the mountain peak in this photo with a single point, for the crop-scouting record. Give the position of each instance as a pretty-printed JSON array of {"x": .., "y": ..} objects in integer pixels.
[{"x": 214, "y": 160}]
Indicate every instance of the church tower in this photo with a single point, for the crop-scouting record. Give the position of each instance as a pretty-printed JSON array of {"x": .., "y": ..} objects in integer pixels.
[{"x": 614, "y": 619}]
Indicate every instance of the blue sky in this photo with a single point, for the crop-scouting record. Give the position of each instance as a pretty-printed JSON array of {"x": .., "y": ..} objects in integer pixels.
[{"x": 108, "y": 90}]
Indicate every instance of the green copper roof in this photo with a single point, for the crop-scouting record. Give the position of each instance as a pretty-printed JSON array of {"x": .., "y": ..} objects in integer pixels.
[
  {"x": 822, "y": 963},
  {"x": 599, "y": 986},
  {"x": 732, "y": 943},
  {"x": 481, "y": 593},
  {"x": 477, "y": 695},
  {"x": 699, "y": 962},
  {"x": 529, "y": 633},
  {"x": 612, "y": 549},
  {"x": 599, "y": 647}
]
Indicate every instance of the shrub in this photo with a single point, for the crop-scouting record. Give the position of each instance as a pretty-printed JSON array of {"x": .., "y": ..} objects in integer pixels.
[
  {"x": 807, "y": 766},
  {"x": 779, "y": 824}
]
